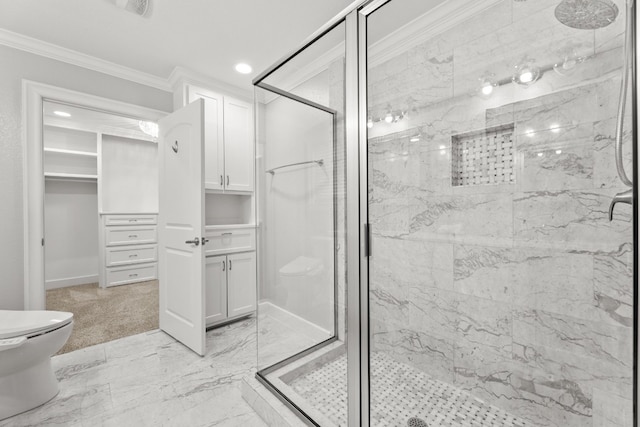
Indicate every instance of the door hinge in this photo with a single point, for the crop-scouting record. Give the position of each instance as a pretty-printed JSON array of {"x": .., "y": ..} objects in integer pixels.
[
  {"x": 43, "y": 241},
  {"x": 367, "y": 240}
]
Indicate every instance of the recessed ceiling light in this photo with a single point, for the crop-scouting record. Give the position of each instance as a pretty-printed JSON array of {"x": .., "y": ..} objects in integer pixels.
[
  {"x": 62, "y": 114},
  {"x": 243, "y": 68}
]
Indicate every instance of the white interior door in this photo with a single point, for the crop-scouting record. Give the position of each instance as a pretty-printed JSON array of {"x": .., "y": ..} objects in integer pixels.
[{"x": 181, "y": 225}]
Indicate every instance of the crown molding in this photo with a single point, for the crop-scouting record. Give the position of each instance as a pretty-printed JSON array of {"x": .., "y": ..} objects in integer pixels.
[
  {"x": 49, "y": 50},
  {"x": 181, "y": 75}
]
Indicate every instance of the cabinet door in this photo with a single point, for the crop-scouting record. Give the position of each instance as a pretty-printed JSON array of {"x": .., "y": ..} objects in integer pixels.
[
  {"x": 216, "y": 288},
  {"x": 238, "y": 145},
  {"x": 241, "y": 283},
  {"x": 214, "y": 175}
]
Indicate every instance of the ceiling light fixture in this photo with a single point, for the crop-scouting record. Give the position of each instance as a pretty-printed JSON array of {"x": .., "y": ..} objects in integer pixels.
[
  {"x": 487, "y": 85},
  {"x": 150, "y": 128},
  {"x": 62, "y": 114},
  {"x": 569, "y": 63},
  {"x": 526, "y": 73},
  {"x": 243, "y": 68}
]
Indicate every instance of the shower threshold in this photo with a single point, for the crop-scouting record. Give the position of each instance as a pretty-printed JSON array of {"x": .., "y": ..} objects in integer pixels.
[{"x": 318, "y": 385}]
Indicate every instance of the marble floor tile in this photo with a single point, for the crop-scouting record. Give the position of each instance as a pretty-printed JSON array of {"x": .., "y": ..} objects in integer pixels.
[{"x": 151, "y": 379}]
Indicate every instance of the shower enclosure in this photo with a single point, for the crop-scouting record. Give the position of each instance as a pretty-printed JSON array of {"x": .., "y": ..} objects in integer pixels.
[{"x": 435, "y": 185}]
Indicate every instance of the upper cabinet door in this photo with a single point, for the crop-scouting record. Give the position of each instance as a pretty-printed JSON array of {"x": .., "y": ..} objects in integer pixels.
[
  {"x": 181, "y": 225},
  {"x": 214, "y": 176},
  {"x": 238, "y": 138}
]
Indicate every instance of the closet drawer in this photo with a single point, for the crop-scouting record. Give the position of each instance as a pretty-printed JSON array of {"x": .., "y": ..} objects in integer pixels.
[
  {"x": 131, "y": 219},
  {"x": 131, "y": 255},
  {"x": 230, "y": 240},
  {"x": 138, "y": 273},
  {"x": 131, "y": 235}
]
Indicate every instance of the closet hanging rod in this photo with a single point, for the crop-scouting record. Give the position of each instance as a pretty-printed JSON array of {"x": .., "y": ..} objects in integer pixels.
[{"x": 320, "y": 162}]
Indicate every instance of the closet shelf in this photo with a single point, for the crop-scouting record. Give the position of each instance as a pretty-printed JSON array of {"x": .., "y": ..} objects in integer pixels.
[
  {"x": 70, "y": 152},
  {"x": 70, "y": 176}
]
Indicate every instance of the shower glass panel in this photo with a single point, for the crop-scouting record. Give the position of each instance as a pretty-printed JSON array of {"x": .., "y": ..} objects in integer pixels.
[
  {"x": 300, "y": 206},
  {"x": 500, "y": 293}
]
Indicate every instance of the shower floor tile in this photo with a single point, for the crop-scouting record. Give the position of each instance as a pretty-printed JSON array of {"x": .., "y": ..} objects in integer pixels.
[{"x": 399, "y": 392}]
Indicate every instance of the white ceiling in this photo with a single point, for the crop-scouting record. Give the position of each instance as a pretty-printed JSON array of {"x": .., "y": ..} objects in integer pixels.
[{"x": 205, "y": 36}]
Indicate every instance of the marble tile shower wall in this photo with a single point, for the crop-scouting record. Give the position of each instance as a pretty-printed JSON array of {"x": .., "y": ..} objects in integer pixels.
[{"x": 519, "y": 293}]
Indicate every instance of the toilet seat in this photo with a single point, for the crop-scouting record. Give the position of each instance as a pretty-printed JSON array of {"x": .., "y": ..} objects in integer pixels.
[{"x": 15, "y": 323}]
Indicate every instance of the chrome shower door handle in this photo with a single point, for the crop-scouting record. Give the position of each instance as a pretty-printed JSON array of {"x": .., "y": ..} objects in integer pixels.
[
  {"x": 195, "y": 241},
  {"x": 624, "y": 197}
]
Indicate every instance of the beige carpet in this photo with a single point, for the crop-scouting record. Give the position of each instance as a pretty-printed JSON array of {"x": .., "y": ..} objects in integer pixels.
[{"x": 102, "y": 315}]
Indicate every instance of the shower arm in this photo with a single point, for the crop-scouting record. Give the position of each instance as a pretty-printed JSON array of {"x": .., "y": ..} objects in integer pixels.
[{"x": 622, "y": 99}]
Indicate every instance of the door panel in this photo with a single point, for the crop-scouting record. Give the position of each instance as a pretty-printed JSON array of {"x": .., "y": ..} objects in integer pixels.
[
  {"x": 213, "y": 137},
  {"x": 181, "y": 218},
  {"x": 238, "y": 141},
  {"x": 241, "y": 283},
  {"x": 216, "y": 288}
]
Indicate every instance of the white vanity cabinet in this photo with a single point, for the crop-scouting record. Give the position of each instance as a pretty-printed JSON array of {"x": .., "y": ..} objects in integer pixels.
[
  {"x": 228, "y": 128},
  {"x": 230, "y": 286},
  {"x": 230, "y": 272}
]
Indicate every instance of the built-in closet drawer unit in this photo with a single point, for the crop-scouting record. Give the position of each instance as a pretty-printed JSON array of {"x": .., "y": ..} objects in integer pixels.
[
  {"x": 125, "y": 255},
  {"x": 131, "y": 274},
  {"x": 130, "y": 219},
  {"x": 224, "y": 241},
  {"x": 130, "y": 235}
]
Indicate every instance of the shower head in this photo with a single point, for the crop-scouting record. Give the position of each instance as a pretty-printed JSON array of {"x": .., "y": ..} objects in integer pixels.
[{"x": 586, "y": 14}]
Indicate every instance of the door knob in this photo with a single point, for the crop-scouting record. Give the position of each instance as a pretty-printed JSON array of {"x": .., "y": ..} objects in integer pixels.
[
  {"x": 204, "y": 240},
  {"x": 624, "y": 197},
  {"x": 195, "y": 241}
]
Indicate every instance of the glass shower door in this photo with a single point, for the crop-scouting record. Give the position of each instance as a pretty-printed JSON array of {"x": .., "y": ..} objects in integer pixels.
[
  {"x": 500, "y": 294},
  {"x": 301, "y": 282}
]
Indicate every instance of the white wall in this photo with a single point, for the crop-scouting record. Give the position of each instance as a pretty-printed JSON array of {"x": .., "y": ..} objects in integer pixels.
[
  {"x": 71, "y": 233},
  {"x": 18, "y": 65},
  {"x": 298, "y": 205},
  {"x": 129, "y": 175}
]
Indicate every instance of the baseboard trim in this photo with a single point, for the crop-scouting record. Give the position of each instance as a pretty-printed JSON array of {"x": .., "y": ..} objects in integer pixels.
[
  {"x": 294, "y": 321},
  {"x": 70, "y": 281}
]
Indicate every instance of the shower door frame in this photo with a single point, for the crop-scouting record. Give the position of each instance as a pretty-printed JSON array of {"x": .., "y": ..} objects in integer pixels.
[
  {"x": 261, "y": 374},
  {"x": 357, "y": 217}
]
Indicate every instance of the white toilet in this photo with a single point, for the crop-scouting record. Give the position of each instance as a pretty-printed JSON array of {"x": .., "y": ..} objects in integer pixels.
[{"x": 28, "y": 339}]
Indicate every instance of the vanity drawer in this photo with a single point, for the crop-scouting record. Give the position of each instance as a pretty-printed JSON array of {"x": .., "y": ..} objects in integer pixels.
[
  {"x": 130, "y": 235},
  {"x": 136, "y": 273},
  {"x": 230, "y": 240},
  {"x": 138, "y": 219},
  {"x": 131, "y": 255}
]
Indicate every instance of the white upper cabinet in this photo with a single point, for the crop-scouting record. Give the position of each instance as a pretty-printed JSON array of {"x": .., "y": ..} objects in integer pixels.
[
  {"x": 238, "y": 145},
  {"x": 228, "y": 124}
]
